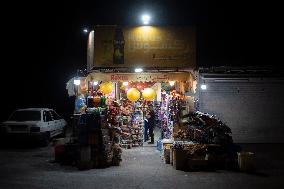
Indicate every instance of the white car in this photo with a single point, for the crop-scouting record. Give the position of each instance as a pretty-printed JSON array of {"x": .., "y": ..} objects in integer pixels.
[{"x": 38, "y": 123}]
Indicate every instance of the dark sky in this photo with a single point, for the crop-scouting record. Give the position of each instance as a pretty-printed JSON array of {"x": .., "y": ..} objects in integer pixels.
[{"x": 44, "y": 44}]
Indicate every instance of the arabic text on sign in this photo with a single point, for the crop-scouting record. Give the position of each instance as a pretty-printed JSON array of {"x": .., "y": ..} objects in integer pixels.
[{"x": 118, "y": 77}]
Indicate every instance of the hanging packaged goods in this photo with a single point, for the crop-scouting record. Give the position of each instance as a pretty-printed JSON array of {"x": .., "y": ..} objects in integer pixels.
[{"x": 147, "y": 46}]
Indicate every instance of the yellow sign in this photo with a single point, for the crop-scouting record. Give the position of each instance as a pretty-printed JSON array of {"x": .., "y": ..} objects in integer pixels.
[{"x": 145, "y": 46}]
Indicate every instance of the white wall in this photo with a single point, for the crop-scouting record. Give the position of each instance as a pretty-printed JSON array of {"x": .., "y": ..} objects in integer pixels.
[{"x": 253, "y": 108}]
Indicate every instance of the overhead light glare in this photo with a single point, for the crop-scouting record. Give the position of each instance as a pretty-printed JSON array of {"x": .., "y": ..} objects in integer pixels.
[
  {"x": 146, "y": 19},
  {"x": 138, "y": 70},
  {"x": 203, "y": 87},
  {"x": 77, "y": 81},
  {"x": 95, "y": 83},
  {"x": 172, "y": 83}
]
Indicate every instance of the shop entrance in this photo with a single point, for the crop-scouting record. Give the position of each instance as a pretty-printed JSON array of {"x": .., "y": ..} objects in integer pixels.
[
  {"x": 142, "y": 107},
  {"x": 129, "y": 110}
]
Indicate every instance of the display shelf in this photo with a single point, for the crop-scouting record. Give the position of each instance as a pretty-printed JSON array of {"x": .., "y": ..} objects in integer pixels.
[{"x": 137, "y": 126}]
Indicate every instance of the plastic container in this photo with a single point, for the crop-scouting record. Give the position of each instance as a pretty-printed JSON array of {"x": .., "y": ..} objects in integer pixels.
[
  {"x": 59, "y": 152},
  {"x": 159, "y": 145},
  {"x": 246, "y": 161}
]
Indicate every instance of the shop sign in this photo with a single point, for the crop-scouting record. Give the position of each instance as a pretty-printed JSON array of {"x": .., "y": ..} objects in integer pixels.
[
  {"x": 145, "y": 46},
  {"x": 144, "y": 77},
  {"x": 139, "y": 77}
]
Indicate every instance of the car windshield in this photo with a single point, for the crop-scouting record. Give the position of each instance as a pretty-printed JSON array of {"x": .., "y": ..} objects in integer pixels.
[{"x": 25, "y": 116}]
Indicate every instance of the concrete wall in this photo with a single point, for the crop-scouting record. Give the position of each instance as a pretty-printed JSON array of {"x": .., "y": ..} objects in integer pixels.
[{"x": 252, "y": 107}]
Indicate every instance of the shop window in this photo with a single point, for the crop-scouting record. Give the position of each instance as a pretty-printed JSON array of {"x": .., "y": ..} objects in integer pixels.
[{"x": 55, "y": 115}]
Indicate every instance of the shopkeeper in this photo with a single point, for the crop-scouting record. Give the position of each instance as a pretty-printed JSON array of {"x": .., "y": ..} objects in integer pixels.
[
  {"x": 146, "y": 129},
  {"x": 151, "y": 123}
]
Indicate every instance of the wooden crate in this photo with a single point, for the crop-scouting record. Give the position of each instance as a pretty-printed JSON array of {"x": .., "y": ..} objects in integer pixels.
[
  {"x": 179, "y": 159},
  {"x": 171, "y": 156},
  {"x": 85, "y": 161},
  {"x": 167, "y": 155},
  {"x": 197, "y": 164}
]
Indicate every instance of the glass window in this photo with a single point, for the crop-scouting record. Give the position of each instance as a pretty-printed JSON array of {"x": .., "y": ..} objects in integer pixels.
[
  {"x": 55, "y": 115},
  {"x": 25, "y": 115},
  {"x": 47, "y": 116}
]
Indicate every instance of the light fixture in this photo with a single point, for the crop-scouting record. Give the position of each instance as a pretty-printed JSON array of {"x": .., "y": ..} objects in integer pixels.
[
  {"x": 203, "y": 87},
  {"x": 125, "y": 83},
  {"x": 172, "y": 83},
  {"x": 95, "y": 83},
  {"x": 77, "y": 81},
  {"x": 138, "y": 70},
  {"x": 85, "y": 30},
  {"x": 145, "y": 19}
]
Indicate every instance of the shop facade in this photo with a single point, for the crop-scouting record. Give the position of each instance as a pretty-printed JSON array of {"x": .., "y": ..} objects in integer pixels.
[
  {"x": 139, "y": 73},
  {"x": 167, "y": 56},
  {"x": 130, "y": 70}
]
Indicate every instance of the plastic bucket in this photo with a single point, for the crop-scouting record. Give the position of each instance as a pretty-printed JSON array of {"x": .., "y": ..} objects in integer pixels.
[{"x": 246, "y": 161}]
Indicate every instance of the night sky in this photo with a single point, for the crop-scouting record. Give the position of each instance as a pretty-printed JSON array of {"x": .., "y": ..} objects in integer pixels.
[{"x": 43, "y": 43}]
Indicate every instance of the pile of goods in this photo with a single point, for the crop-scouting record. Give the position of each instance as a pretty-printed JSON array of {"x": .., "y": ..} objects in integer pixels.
[
  {"x": 126, "y": 111},
  {"x": 96, "y": 137},
  {"x": 203, "y": 128},
  {"x": 137, "y": 126},
  {"x": 169, "y": 108},
  {"x": 96, "y": 145},
  {"x": 125, "y": 138},
  {"x": 131, "y": 124},
  {"x": 202, "y": 141}
]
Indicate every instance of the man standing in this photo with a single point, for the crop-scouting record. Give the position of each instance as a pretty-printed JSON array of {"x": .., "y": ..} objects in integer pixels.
[
  {"x": 146, "y": 129},
  {"x": 151, "y": 123}
]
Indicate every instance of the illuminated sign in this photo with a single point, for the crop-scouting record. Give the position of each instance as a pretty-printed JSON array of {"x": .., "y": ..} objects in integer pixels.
[{"x": 145, "y": 46}]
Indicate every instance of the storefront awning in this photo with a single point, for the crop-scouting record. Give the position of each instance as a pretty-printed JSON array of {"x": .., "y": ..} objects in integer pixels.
[{"x": 140, "y": 77}]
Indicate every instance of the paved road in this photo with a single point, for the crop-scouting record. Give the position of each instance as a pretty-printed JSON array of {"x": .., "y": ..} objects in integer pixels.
[{"x": 141, "y": 168}]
